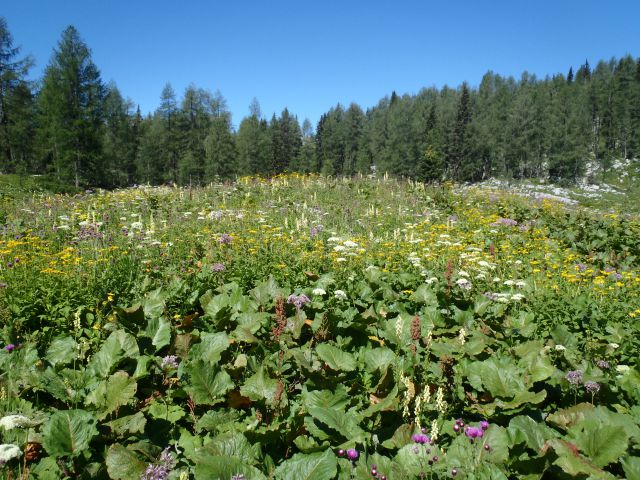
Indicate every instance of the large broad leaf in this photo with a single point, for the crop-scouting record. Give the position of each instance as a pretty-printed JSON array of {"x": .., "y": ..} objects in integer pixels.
[
  {"x": 378, "y": 358},
  {"x": 123, "y": 464},
  {"x": 267, "y": 291},
  {"x": 337, "y": 359},
  {"x": 224, "y": 468},
  {"x": 61, "y": 351},
  {"x": 424, "y": 294},
  {"x": 205, "y": 386},
  {"x": 497, "y": 375},
  {"x": 260, "y": 387},
  {"x": 129, "y": 425},
  {"x": 68, "y": 433},
  {"x": 603, "y": 444},
  {"x": 572, "y": 462},
  {"x": 338, "y": 398},
  {"x": 308, "y": 466},
  {"x": 210, "y": 347},
  {"x": 231, "y": 445},
  {"x": 154, "y": 303},
  {"x": 112, "y": 393},
  {"x": 524, "y": 429},
  {"x": 568, "y": 417},
  {"x": 117, "y": 346},
  {"x": 165, "y": 411},
  {"x": 159, "y": 331},
  {"x": 345, "y": 423},
  {"x": 631, "y": 467}
]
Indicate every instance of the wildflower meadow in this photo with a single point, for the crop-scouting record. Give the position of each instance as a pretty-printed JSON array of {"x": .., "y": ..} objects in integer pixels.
[{"x": 307, "y": 327}]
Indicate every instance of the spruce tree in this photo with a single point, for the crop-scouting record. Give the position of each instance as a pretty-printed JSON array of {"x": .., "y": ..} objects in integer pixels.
[{"x": 71, "y": 115}]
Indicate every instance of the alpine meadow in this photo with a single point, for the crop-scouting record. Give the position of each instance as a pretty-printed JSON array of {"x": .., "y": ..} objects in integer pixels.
[{"x": 443, "y": 285}]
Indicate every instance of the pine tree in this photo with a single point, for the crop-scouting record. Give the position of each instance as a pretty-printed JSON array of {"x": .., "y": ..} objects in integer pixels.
[
  {"x": 570, "y": 75},
  {"x": 16, "y": 105},
  {"x": 71, "y": 116}
]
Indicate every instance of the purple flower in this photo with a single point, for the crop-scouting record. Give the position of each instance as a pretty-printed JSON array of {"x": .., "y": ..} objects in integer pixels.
[
  {"x": 484, "y": 424},
  {"x": 574, "y": 377},
  {"x": 217, "y": 267},
  {"x": 592, "y": 387},
  {"x": 421, "y": 438},
  {"x": 352, "y": 454},
  {"x": 169, "y": 361},
  {"x": 474, "y": 432},
  {"x": 10, "y": 348},
  {"x": 160, "y": 470},
  {"x": 298, "y": 300},
  {"x": 225, "y": 239},
  {"x": 507, "y": 222},
  {"x": 581, "y": 267},
  {"x": 603, "y": 364}
]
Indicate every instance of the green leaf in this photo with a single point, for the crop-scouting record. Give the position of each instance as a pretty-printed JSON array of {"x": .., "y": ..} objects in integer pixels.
[
  {"x": 129, "y": 425},
  {"x": 497, "y": 375},
  {"x": 154, "y": 303},
  {"x": 113, "y": 393},
  {"x": 309, "y": 466},
  {"x": 61, "y": 351},
  {"x": 424, "y": 294},
  {"x": 338, "y": 399},
  {"x": 123, "y": 464},
  {"x": 117, "y": 346},
  {"x": 572, "y": 462},
  {"x": 232, "y": 445},
  {"x": 205, "y": 385},
  {"x": 603, "y": 444},
  {"x": 210, "y": 347},
  {"x": 524, "y": 429},
  {"x": 165, "y": 411},
  {"x": 260, "y": 387},
  {"x": 345, "y": 423},
  {"x": 497, "y": 438},
  {"x": 336, "y": 359},
  {"x": 377, "y": 359},
  {"x": 218, "y": 467},
  {"x": 568, "y": 417},
  {"x": 159, "y": 331},
  {"x": 68, "y": 433},
  {"x": 631, "y": 467}
]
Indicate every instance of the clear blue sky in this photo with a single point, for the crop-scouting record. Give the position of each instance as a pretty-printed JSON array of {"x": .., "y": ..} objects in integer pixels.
[{"x": 309, "y": 56}]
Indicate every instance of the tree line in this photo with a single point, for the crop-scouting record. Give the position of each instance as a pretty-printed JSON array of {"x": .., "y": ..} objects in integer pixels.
[{"x": 74, "y": 127}]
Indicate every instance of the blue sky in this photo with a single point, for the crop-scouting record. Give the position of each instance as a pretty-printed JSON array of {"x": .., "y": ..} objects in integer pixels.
[{"x": 309, "y": 56}]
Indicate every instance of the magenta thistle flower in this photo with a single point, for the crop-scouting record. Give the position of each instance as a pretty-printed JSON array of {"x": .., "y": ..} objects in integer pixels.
[
  {"x": 10, "y": 348},
  {"x": 298, "y": 300},
  {"x": 474, "y": 432},
  {"x": 169, "y": 361},
  {"x": 484, "y": 424},
  {"x": 352, "y": 454},
  {"x": 421, "y": 438}
]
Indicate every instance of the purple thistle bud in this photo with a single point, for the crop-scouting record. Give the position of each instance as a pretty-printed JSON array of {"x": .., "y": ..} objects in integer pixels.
[
  {"x": 10, "y": 348},
  {"x": 454, "y": 472},
  {"x": 484, "y": 424},
  {"x": 341, "y": 453},
  {"x": 574, "y": 377},
  {"x": 352, "y": 454},
  {"x": 592, "y": 387},
  {"x": 456, "y": 428},
  {"x": 487, "y": 447}
]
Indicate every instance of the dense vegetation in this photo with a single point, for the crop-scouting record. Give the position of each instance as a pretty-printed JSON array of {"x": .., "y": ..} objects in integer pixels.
[
  {"x": 318, "y": 328},
  {"x": 72, "y": 126}
]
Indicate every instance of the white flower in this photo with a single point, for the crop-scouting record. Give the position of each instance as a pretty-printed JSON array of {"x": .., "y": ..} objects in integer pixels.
[
  {"x": 339, "y": 248},
  {"x": 318, "y": 291},
  {"x": 622, "y": 369},
  {"x": 483, "y": 263},
  {"x": 340, "y": 295},
  {"x": 517, "y": 297},
  {"x": 521, "y": 284},
  {"x": 464, "y": 283},
  {"x": 9, "y": 451},
  {"x": 508, "y": 282},
  {"x": 560, "y": 348},
  {"x": 341, "y": 259},
  {"x": 16, "y": 421},
  {"x": 431, "y": 280},
  {"x": 350, "y": 244},
  {"x": 136, "y": 226},
  {"x": 333, "y": 239},
  {"x": 462, "y": 273},
  {"x": 614, "y": 346}
]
